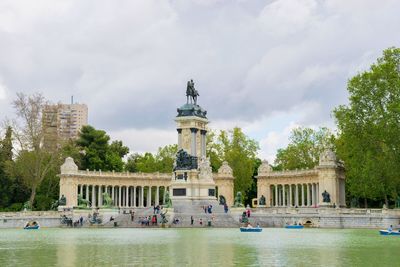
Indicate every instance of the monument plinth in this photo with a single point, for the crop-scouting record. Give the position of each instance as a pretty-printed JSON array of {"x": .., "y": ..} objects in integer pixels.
[{"x": 192, "y": 178}]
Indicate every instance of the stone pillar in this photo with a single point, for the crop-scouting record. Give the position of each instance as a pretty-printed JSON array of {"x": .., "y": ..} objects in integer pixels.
[
  {"x": 283, "y": 195},
  {"x": 93, "y": 196},
  {"x": 141, "y": 196},
  {"x": 157, "y": 200},
  {"x": 313, "y": 194},
  {"x": 149, "y": 196},
  {"x": 276, "y": 195},
  {"x": 87, "y": 192},
  {"x": 179, "y": 138},
  {"x": 296, "y": 198},
  {"x": 134, "y": 197},
  {"x": 308, "y": 196},
  {"x": 127, "y": 196},
  {"x": 290, "y": 196},
  {"x": 302, "y": 195},
  {"x": 113, "y": 195},
  {"x": 98, "y": 196},
  {"x": 317, "y": 193},
  {"x": 203, "y": 142},
  {"x": 193, "y": 143},
  {"x": 119, "y": 196},
  {"x": 164, "y": 193}
]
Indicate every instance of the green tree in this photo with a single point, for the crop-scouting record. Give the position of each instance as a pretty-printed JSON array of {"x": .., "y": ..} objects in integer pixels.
[
  {"x": 162, "y": 161},
  {"x": 5, "y": 156},
  {"x": 369, "y": 128},
  {"x": 34, "y": 161},
  {"x": 97, "y": 153},
  {"x": 240, "y": 152},
  {"x": 304, "y": 148},
  {"x": 214, "y": 151},
  {"x": 165, "y": 158}
]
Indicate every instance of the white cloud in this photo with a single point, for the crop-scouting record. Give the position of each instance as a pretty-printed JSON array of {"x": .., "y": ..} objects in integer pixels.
[{"x": 260, "y": 65}]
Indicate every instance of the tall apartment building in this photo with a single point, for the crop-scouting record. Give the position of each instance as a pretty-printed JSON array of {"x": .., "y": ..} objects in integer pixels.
[{"x": 62, "y": 122}]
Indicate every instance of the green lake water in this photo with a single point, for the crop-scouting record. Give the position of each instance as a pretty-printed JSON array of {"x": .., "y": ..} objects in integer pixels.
[{"x": 197, "y": 247}]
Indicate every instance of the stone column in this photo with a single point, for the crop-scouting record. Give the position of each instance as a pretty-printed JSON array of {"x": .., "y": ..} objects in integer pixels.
[
  {"x": 113, "y": 195},
  {"x": 134, "y": 197},
  {"x": 317, "y": 193},
  {"x": 308, "y": 195},
  {"x": 179, "y": 138},
  {"x": 141, "y": 196},
  {"x": 149, "y": 196},
  {"x": 98, "y": 196},
  {"x": 290, "y": 196},
  {"x": 276, "y": 195},
  {"x": 203, "y": 142},
  {"x": 193, "y": 146},
  {"x": 312, "y": 194},
  {"x": 157, "y": 201},
  {"x": 127, "y": 196},
  {"x": 87, "y": 192},
  {"x": 283, "y": 196},
  {"x": 119, "y": 196},
  {"x": 302, "y": 195},
  {"x": 93, "y": 196},
  {"x": 164, "y": 193},
  {"x": 296, "y": 198}
]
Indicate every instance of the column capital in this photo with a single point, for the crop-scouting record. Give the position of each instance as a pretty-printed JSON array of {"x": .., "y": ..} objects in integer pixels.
[
  {"x": 179, "y": 130},
  {"x": 194, "y": 130},
  {"x": 203, "y": 132}
]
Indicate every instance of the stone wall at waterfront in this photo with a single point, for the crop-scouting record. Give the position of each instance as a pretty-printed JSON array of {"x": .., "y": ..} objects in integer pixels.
[
  {"x": 19, "y": 219},
  {"x": 325, "y": 217}
]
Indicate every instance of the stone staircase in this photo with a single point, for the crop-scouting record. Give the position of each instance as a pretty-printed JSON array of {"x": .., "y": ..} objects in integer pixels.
[{"x": 183, "y": 210}]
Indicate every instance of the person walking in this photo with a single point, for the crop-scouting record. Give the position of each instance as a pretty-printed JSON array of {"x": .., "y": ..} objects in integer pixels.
[
  {"x": 191, "y": 220},
  {"x": 81, "y": 221}
]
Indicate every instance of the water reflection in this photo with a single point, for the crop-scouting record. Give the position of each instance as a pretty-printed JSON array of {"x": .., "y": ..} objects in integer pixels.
[{"x": 196, "y": 247}]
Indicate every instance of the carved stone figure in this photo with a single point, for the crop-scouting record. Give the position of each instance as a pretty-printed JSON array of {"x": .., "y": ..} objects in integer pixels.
[
  {"x": 222, "y": 200},
  {"x": 184, "y": 161},
  {"x": 27, "y": 206},
  {"x": 83, "y": 203},
  {"x": 163, "y": 217},
  {"x": 168, "y": 202},
  {"x": 107, "y": 200},
  {"x": 326, "y": 197},
  {"x": 61, "y": 202},
  {"x": 261, "y": 202},
  {"x": 238, "y": 200},
  {"x": 205, "y": 169}
]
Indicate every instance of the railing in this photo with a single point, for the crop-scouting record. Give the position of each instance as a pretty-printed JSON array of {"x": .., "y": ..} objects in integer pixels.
[{"x": 138, "y": 175}]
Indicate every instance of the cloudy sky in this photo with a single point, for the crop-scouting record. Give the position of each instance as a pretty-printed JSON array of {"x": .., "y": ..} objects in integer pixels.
[{"x": 265, "y": 66}]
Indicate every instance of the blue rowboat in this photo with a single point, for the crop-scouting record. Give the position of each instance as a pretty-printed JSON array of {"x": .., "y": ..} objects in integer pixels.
[
  {"x": 294, "y": 226},
  {"x": 386, "y": 232},
  {"x": 250, "y": 229},
  {"x": 32, "y": 225}
]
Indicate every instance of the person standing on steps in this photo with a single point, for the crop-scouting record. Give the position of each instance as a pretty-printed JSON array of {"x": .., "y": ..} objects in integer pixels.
[{"x": 191, "y": 220}]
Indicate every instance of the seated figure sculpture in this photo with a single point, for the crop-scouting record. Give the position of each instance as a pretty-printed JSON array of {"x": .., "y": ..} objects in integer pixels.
[
  {"x": 261, "y": 202},
  {"x": 238, "y": 200}
]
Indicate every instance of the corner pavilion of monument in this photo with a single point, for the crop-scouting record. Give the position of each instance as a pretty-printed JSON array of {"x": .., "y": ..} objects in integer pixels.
[{"x": 192, "y": 178}]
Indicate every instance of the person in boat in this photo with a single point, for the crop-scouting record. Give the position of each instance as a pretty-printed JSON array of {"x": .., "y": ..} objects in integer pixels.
[
  {"x": 390, "y": 228},
  {"x": 258, "y": 225}
]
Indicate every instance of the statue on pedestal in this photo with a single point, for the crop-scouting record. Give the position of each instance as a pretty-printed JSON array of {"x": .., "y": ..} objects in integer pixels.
[
  {"x": 238, "y": 200},
  {"x": 261, "y": 202},
  {"x": 61, "y": 202},
  {"x": 83, "y": 203},
  {"x": 326, "y": 197},
  {"x": 191, "y": 92},
  {"x": 168, "y": 202},
  {"x": 107, "y": 200},
  {"x": 222, "y": 200}
]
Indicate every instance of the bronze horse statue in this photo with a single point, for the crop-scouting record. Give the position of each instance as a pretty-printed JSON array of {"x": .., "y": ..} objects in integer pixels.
[{"x": 191, "y": 92}]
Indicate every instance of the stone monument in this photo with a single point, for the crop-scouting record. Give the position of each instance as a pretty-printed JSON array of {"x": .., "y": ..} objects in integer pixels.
[{"x": 192, "y": 178}]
